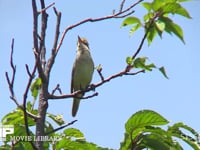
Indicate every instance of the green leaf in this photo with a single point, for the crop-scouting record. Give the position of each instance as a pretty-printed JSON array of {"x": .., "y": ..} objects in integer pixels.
[
  {"x": 157, "y": 4},
  {"x": 177, "y": 30},
  {"x": 144, "y": 118},
  {"x": 129, "y": 60},
  {"x": 16, "y": 117},
  {"x": 154, "y": 141},
  {"x": 151, "y": 35},
  {"x": 162, "y": 70},
  {"x": 148, "y": 17},
  {"x": 160, "y": 25},
  {"x": 67, "y": 144},
  {"x": 175, "y": 8},
  {"x": 134, "y": 28},
  {"x": 5, "y": 147},
  {"x": 57, "y": 118},
  {"x": 72, "y": 132},
  {"x": 130, "y": 20},
  {"x": 141, "y": 63},
  {"x": 171, "y": 27},
  {"x": 35, "y": 87},
  {"x": 147, "y": 5},
  {"x": 126, "y": 143},
  {"x": 194, "y": 141}
]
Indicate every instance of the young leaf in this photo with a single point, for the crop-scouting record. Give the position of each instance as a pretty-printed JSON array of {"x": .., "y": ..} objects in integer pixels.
[
  {"x": 130, "y": 20},
  {"x": 147, "y": 5},
  {"x": 175, "y": 8},
  {"x": 134, "y": 28},
  {"x": 157, "y": 4},
  {"x": 162, "y": 70},
  {"x": 57, "y": 118},
  {"x": 141, "y": 63},
  {"x": 171, "y": 27},
  {"x": 151, "y": 35},
  {"x": 129, "y": 60},
  {"x": 160, "y": 25},
  {"x": 35, "y": 87}
]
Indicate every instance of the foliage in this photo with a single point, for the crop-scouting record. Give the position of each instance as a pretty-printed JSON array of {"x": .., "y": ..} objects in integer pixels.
[
  {"x": 157, "y": 20},
  {"x": 142, "y": 130}
]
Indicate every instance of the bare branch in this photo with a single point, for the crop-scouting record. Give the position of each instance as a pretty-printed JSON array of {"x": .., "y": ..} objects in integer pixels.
[
  {"x": 120, "y": 14},
  {"x": 54, "y": 50},
  {"x": 28, "y": 71},
  {"x": 122, "y": 5},
  {"x": 11, "y": 81},
  {"x": 44, "y": 9},
  {"x": 11, "y": 62},
  {"x": 90, "y": 96},
  {"x": 35, "y": 25},
  {"x": 99, "y": 70},
  {"x": 11, "y": 88},
  {"x": 90, "y": 88},
  {"x": 145, "y": 36},
  {"x": 31, "y": 77},
  {"x": 61, "y": 127},
  {"x": 57, "y": 88}
]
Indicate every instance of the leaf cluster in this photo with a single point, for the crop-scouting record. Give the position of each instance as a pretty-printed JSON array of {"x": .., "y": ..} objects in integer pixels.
[
  {"x": 157, "y": 20},
  {"x": 143, "y": 130}
]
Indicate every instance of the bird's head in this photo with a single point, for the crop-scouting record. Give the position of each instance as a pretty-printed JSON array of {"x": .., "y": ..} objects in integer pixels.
[{"x": 82, "y": 44}]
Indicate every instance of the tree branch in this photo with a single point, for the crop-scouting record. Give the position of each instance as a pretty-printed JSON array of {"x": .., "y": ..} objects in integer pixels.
[
  {"x": 122, "y": 5},
  {"x": 115, "y": 15},
  {"x": 90, "y": 88},
  {"x": 61, "y": 127},
  {"x": 11, "y": 82},
  {"x": 54, "y": 50},
  {"x": 57, "y": 88},
  {"x": 145, "y": 36},
  {"x": 44, "y": 9},
  {"x": 11, "y": 88}
]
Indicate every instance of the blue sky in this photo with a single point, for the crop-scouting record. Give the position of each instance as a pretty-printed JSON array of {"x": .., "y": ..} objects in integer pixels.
[{"x": 102, "y": 118}]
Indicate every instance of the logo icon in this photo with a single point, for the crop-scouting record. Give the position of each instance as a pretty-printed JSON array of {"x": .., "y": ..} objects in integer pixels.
[{"x": 4, "y": 130}]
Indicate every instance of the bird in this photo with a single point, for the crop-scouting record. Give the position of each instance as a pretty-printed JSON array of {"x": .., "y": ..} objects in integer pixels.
[{"x": 82, "y": 72}]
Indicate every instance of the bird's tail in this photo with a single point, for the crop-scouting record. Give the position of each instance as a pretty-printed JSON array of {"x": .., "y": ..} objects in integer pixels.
[{"x": 75, "y": 106}]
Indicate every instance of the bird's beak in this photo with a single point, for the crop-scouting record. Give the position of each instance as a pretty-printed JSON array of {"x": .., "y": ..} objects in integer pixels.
[{"x": 79, "y": 39}]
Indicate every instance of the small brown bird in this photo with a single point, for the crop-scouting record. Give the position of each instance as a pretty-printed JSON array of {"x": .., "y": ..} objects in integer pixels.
[{"x": 82, "y": 71}]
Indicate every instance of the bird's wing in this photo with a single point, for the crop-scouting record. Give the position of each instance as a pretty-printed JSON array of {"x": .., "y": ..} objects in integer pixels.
[{"x": 72, "y": 81}]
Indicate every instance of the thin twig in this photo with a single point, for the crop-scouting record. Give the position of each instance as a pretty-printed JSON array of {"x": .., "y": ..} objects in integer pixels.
[
  {"x": 115, "y": 15},
  {"x": 100, "y": 74},
  {"x": 122, "y": 5},
  {"x": 31, "y": 77},
  {"x": 90, "y": 96},
  {"x": 61, "y": 127},
  {"x": 44, "y": 9},
  {"x": 11, "y": 62},
  {"x": 11, "y": 82},
  {"x": 145, "y": 36},
  {"x": 54, "y": 50},
  {"x": 57, "y": 88}
]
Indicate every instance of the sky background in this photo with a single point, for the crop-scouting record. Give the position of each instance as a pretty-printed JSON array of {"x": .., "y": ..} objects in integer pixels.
[{"x": 102, "y": 118}]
